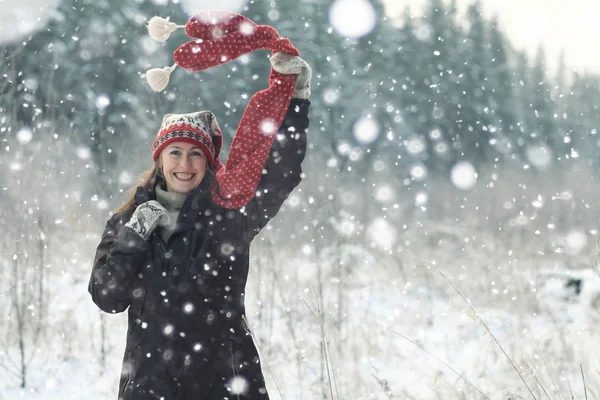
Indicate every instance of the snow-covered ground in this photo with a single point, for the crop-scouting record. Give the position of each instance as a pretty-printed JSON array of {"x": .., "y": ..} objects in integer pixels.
[{"x": 545, "y": 328}]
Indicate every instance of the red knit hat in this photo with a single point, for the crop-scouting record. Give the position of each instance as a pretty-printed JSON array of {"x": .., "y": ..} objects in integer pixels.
[
  {"x": 199, "y": 128},
  {"x": 222, "y": 37}
]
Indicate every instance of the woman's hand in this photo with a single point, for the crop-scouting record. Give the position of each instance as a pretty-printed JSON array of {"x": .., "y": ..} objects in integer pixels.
[
  {"x": 147, "y": 217},
  {"x": 287, "y": 64}
]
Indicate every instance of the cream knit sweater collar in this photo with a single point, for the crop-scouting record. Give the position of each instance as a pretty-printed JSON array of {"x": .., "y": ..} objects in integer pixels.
[
  {"x": 173, "y": 202},
  {"x": 170, "y": 200}
]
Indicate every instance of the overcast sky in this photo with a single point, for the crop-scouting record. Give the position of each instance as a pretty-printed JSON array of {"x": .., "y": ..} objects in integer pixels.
[{"x": 569, "y": 25}]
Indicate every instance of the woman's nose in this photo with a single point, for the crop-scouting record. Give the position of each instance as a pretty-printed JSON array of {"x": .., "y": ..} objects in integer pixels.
[{"x": 184, "y": 161}]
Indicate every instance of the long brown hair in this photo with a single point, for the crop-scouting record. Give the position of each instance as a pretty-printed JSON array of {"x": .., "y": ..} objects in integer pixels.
[{"x": 146, "y": 179}]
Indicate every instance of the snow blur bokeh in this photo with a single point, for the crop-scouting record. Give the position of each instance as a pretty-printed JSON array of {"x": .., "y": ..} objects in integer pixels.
[
  {"x": 576, "y": 241},
  {"x": 268, "y": 127},
  {"x": 418, "y": 171},
  {"x": 421, "y": 199},
  {"x": 26, "y": 17},
  {"x": 331, "y": 96},
  {"x": 83, "y": 153},
  {"x": 366, "y": 130},
  {"x": 352, "y": 18},
  {"x": 463, "y": 175},
  {"x": 102, "y": 102},
  {"x": 382, "y": 234},
  {"x": 126, "y": 178},
  {"x": 192, "y": 7},
  {"x": 385, "y": 194},
  {"x": 24, "y": 135},
  {"x": 540, "y": 156},
  {"x": 415, "y": 145}
]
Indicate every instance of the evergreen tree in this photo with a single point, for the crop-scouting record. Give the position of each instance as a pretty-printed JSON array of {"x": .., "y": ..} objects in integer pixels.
[
  {"x": 501, "y": 96},
  {"x": 543, "y": 128},
  {"x": 560, "y": 96},
  {"x": 439, "y": 60},
  {"x": 583, "y": 115},
  {"x": 523, "y": 94},
  {"x": 83, "y": 74},
  {"x": 473, "y": 140},
  {"x": 406, "y": 59}
]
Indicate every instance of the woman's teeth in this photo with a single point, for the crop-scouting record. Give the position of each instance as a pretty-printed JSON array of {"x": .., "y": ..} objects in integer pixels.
[{"x": 184, "y": 177}]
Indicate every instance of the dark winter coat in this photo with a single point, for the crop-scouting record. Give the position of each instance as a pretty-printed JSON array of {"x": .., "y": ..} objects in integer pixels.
[{"x": 186, "y": 337}]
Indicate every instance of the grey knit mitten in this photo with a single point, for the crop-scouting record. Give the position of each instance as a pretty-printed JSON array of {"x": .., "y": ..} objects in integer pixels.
[
  {"x": 288, "y": 64},
  {"x": 147, "y": 217}
]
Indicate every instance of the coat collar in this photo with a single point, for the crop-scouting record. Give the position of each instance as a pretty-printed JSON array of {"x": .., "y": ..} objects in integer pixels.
[{"x": 197, "y": 201}]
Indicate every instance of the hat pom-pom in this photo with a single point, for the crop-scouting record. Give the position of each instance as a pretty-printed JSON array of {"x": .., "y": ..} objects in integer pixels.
[
  {"x": 158, "y": 78},
  {"x": 160, "y": 29}
]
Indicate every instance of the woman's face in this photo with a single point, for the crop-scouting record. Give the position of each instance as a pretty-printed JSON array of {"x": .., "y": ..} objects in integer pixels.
[{"x": 183, "y": 166}]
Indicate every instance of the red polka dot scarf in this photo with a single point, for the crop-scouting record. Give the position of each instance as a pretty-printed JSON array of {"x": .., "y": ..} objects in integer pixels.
[{"x": 221, "y": 37}]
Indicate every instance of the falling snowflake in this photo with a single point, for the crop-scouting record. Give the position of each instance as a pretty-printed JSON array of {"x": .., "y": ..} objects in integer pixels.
[
  {"x": 384, "y": 194},
  {"x": 102, "y": 102},
  {"x": 268, "y": 127},
  {"x": 24, "y": 135},
  {"x": 330, "y": 96},
  {"x": 168, "y": 330},
  {"x": 463, "y": 175},
  {"x": 352, "y": 18},
  {"x": 238, "y": 386},
  {"x": 382, "y": 234},
  {"x": 366, "y": 130},
  {"x": 83, "y": 153},
  {"x": 418, "y": 171},
  {"x": 421, "y": 199},
  {"x": 415, "y": 145},
  {"x": 540, "y": 156},
  {"x": 125, "y": 178},
  {"x": 188, "y": 308},
  {"x": 576, "y": 240}
]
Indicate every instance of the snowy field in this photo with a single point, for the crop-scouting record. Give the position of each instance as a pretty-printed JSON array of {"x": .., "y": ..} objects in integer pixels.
[{"x": 389, "y": 326}]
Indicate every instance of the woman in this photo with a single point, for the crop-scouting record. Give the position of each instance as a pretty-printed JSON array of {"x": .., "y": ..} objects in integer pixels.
[{"x": 176, "y": 254}]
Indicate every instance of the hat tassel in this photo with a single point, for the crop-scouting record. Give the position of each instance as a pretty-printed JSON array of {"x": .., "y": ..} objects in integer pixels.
[
  {"x": 158, "y": 78},
  {"x": 160, "y": 29}
]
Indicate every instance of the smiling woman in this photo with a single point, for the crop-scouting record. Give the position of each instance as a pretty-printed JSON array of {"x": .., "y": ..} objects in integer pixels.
[{"x": 176, "y": 254}]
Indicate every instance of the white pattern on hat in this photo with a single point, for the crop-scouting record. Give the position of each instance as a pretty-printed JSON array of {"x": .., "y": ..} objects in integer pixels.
[
  {"x": 200, "y": 127},
  {"x": 196, "y": 120}
]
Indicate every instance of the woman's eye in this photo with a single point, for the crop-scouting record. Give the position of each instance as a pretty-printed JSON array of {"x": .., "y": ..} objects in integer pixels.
[
  {"x": 174, "y": 152},
  {"x": 197, "y": 153}
]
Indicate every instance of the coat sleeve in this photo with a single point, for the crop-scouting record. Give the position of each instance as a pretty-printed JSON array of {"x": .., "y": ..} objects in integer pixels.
[
  {"x": 282, "y": 171},
  {"x": 117, "y": 260}
]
